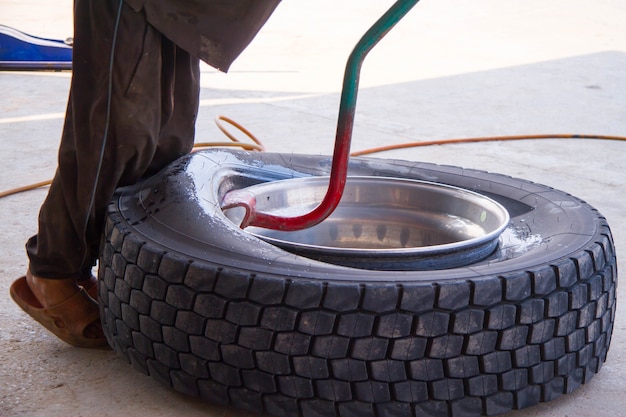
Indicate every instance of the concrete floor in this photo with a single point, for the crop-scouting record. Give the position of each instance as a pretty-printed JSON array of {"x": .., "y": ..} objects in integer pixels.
[{"x": 450, "y": 69}]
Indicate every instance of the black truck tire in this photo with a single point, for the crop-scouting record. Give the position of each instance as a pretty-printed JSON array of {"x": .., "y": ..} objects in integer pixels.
[{"x": 204, "y": 308}]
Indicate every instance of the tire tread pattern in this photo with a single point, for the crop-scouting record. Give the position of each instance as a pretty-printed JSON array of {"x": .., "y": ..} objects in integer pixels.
[{"x": 308, "y": 348}]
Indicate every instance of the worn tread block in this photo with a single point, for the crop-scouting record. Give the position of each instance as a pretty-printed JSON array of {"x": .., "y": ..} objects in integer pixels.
[
  {"x": 394, "y": 325},
  {"x": 255, "y": 338},
  {"x": 143, "y": 345},
  {"x": 151, "y": 328},
  {"x": 317, "y": 408},
  {"x": 355, "y": 325},
  {"x": 432, "y": 409},
  {"x": 273, "y": 363},
  {"x": 293, "y": 343},
  {"x": 578, "y": 297},
  {"x": 542, "y": 331},
  {"x": 173, "y": 268},
  {"x": 225, "y": 374},
  {"x": 134, "y": 276},
  {"x": 481, "y": 343},
  {"x": 243, "y": 313},
  {"x": 411, "y": 391},
  {"x": 466, "y": 407},
  {"x": 567, "y": 274},
  {"x": 487, "y": 292},
  {"x": 238, "y": 356},
  {"x": 122, "y": 291},
  {"x": 184, "y": 383},
  {"x": 427, "y": 370},
  {"x": 317, "y": 322},
  {"x": 309, "y": 367},
  {"x": 355, "y": 409},
  {"x": 501, "y": 317},
  {"x": 514, "y": 380},
  {"x": 500, "y": 403},
  {"x": 598, "y": 257},
  {"x": 130, "y": 249},
  {"x": 566, "y": 324},
  {"x": 527, "y": 356},
  {"x": 163, "y": 312},
  {"x": 267, "y": 290},
  {"x": 140, "y": 302},
  {"x": 176, "y": 339},
  {"x": 448, "y": 346},
  {"x": 115, "y": 306},
  {"x": 296, "y": 387},
  {"x": 462, "y": 367},
  {"x": 214, "y": 392},
  {"x": 468, "y": 321},
  {"x": 496, "y": 362},
  {"x": 280, "y": 405},
  {"x": 138, "y": 361},
  {"x": 513, "y": 338},
  {"x": 108, "y": 278},
  {"x": 304, "y": 294},
  {"x": 542, "y": 373},
  {"x": 210, "y": 306},
  {"x": 447, "y": 389},
  {"x": 166, "y": 355},
  {"x": 553, "y": 389},
  {"x": 342, "y": 297},
  {"x": 417, "y": 298},
  {"x": 118, "y": 265},
  {"x": 232, "y": 285},
  {"x": 544, "y": 281},
  {"x": 408, "y": 349},
  {"x": 159, "y": 371},
  {"x": 330, "y": 347},
  {"x": 349, "y": 369},
  {"x": 517, "y": 286},
  {"x": 106, "y": 255},
  {"x": 201, "y": 277},
  {"x": 205, "y": 348},
  {"x": 432, "y": 324},
  {"x": 388, "y": 371},
  {"x": 155, "y": 287},
  {"x": 334, "y": 390},
  {"x": 453, "y": 296},
  {"x": 116, "y": 238},
  {"x": 246, "y": 399},
  {"x": 553, "y": 349},
  {"x": 372, "y": 391},
  {"x": 557, "y": 304},
  {"x": 149, "y": 259},
  {"x": 574, "y": 380},
  {"x": 369, "y": 348},
  {"x": 531, "y": 311},
  {"x": 528, "y": 396},
  {"x": 482, "y": 385},
  {"x": 380, "y": 298},
  {"x": 258, "y": 381},
  {"x": 180, "y": 297},
  {"x": 280, "y": 319},
  {"x": 124, "y": 334},
  {"x": 130, "y": 317},
  {"x": 393, "y": 409},
  {"x": 190, "y": 323}
]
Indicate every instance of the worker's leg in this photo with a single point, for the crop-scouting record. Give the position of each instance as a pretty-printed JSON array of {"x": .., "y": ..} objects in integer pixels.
[{"x": 154, "y": 99}]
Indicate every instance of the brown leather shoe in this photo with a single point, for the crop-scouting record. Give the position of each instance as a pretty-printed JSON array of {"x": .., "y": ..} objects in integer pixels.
[{"x": 76, "y": 320}]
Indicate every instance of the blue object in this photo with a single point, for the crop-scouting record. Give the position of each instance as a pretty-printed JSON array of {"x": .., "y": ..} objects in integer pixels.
[{"x": 20, "y": 51}]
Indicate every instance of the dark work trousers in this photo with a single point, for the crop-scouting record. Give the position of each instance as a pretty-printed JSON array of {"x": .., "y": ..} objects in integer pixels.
[{"x": 153, "y": 107}]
